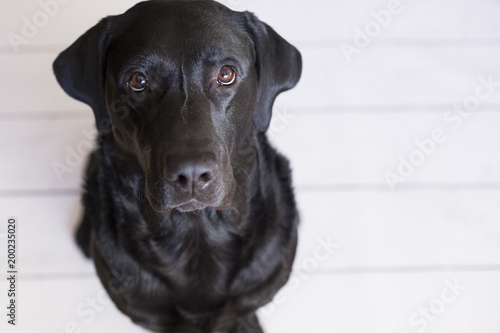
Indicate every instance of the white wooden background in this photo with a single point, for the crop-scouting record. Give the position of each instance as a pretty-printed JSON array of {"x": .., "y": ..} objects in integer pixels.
[{"x": 343, "y": 127}]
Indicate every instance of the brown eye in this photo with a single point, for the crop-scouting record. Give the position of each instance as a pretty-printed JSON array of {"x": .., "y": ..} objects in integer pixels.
[
  {"x": 226, "y": 76},
  {"x": 138, "y": 82}
]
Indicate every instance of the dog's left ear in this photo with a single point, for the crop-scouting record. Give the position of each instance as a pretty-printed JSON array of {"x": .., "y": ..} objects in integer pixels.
[
  {"x": 278, "y": 64},
  {"x": 80, "y": 69}
]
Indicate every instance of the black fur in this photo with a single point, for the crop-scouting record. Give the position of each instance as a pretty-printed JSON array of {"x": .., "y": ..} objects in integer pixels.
[{"x": 206, "y": 257}]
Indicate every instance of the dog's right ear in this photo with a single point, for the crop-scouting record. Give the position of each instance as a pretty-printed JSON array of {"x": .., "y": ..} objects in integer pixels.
[{"x": 80, "y": 69}]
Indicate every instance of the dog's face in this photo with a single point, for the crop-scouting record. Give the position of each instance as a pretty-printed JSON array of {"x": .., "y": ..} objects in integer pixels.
[
  {"x": 188, "y": 97},
  {"x": 184, "y": 85}
]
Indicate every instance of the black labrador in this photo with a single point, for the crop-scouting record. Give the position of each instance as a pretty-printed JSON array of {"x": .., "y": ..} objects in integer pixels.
[{"x": 189, "y": 213}]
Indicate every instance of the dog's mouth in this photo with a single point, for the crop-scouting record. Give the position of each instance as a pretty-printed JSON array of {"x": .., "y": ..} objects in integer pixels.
[
  {"x": 190, "y": 206},
  {"x": 217, "y": 198},
  {"x": 160, "y": 206}
]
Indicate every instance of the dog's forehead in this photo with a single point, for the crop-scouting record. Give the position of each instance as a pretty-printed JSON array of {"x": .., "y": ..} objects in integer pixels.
[{"x": 179, "y": 29}]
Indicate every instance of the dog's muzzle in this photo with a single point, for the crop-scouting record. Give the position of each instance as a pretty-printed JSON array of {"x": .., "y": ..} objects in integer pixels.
[{"x": 191, "y": 182}]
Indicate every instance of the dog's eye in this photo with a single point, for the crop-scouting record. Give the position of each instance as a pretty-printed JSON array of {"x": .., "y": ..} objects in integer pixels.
[
  {"x": 226, "y": 76},
  {"x": 138, "y": 82}
]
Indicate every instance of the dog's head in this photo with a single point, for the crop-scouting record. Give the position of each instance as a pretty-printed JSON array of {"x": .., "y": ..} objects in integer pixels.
[{"x": 180, "y": 86}]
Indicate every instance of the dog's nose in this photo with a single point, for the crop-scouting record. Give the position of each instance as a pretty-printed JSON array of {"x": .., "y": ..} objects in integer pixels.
[{"x": 191, "y": 175}]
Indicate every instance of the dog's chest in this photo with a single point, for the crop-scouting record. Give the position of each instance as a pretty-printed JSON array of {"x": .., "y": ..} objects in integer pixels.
[{"x": 196, "y": 258}]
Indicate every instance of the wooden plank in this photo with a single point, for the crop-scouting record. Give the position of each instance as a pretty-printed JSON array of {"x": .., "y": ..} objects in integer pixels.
[
  {"x": 385, "y": 303},
  {"x": 387, "y": 76},
  {"x": 46, "y": 229},
  {"x": 362, "y": 148},
  {"x": 323, "y": 20},
  {"x": 65, "y": 305},
  {"x": 317, "y": 20},
  {"x": 339, "y": 231},
  {"x": 55, "y": 22},
  {"x": 376, "y": 303},
  {"x": 47, "y": 154},
  {"x": 418, "y": 230},
  {"x": 33, "y": 86},
  {"x": 325, "y": 149}
]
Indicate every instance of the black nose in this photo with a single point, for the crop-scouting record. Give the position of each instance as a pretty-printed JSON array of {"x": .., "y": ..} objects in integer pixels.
[{"x": 191, "y": 174}]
